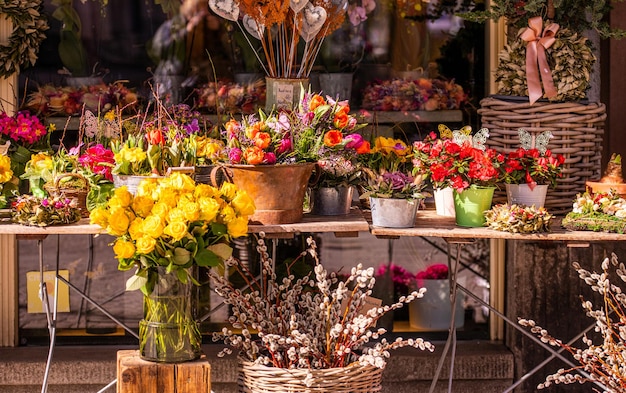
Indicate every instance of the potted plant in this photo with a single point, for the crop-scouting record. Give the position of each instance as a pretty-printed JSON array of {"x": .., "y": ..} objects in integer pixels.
[
  {"x": 394, "y": 193},
  {"x": 266, "y": 148},
  {"x": 435, "y": 312},
  {"x": 527, "y": 174},
  {"x": 316, "y": 333},
  {"x": 165, "y": 231}
]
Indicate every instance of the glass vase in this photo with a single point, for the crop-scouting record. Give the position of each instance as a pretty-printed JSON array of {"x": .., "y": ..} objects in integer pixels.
[{"x": 169, "y": 332}]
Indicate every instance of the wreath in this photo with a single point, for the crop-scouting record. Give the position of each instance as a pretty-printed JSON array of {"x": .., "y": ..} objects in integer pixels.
[{"x": 28, "y": 32}]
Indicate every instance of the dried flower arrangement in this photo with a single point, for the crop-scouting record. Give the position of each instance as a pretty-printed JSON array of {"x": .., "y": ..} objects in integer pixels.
[
  {"x": 601, "y": 363},
  {"x": 600, "y": 212},
  {"x": 518, "y": 219},
  {"x": 307, "y": 323},
  {"x": 36, "y": 211}
]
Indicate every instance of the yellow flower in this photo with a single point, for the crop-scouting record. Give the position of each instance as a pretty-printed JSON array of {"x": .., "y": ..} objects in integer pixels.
[
  {"x": 160, "y": 209},
  {"x": 228, "y": 213},
  {"x": 209, "y": 208},
  {"x": 205, "y": 190},
  {"x": 145, "y": 245},
  {"x": 99, "y": 216},
  {"x": 228, "y": 190},
  {"x": 142, "y": 205},
  {"x": 132, "y": 154},
  {"x": 390, "y": 145},
  {"x": 147, "y": 187},
  {"x": 243, "y": 204},
  {"x": 176, "y": 229},
  {"x": 176, "y": 214},
  {"x": 153, "y": 226},
  {"x": 118, "y": 222},
  {"x": 123, "y": 249},
  {"x": 191, "y": 211},
  {"x": 169, "y": 197},
  {"x": 237, "y": 227},
  {"x": 41, "y": 161},
  {"x": 181, "y": 182},
  {"x": 121, "y": 198},
  {"x": 6, "y": 173},
  {"x": 135, "y": 230}
]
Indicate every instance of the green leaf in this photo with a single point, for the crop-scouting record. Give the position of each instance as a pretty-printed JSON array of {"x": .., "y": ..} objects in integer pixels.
[
  {"x": 218, "y": 229},
  {"x": 206, "y": 258},
  {"x": 182, "y": 275},
  {"x": 222, "y": 250},
  {"x": 137, "y": 281}
]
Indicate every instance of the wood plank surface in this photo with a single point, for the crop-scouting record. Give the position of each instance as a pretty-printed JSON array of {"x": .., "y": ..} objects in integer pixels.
[{"x": 135, "y": 375}]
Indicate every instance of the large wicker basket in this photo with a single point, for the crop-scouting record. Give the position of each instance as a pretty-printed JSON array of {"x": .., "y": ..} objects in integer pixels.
[
  {"x": 56, "y": 189},
  {"x": 355, "y": 378},
  {"x": 577, "y": 131}
]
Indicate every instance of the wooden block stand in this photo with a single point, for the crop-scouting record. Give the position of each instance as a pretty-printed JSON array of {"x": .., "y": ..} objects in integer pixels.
[{"x": 135, "y": 375}]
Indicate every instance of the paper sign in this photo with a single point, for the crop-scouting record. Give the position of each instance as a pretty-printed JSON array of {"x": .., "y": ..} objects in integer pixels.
[
  {"x": 35, "y": 304},
  {"x": 284, "y": 93},
  {"x": 368, "y": 304}
]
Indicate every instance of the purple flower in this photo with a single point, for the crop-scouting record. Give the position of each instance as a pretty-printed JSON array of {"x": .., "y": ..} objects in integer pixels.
[
  {"x": 398, "y": 180},
  {"x": 269, "y": 158},
  {"x": 353, "y": 141},
  {"x": 192, "y": 127},
  {"x": 284, "y": 147}
]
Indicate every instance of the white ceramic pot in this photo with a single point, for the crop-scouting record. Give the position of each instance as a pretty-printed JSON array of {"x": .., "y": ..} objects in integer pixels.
[
  {"x": 521, "y": 194},
  {"x": 433, "y": 312},
  {"x": 444, "y": 201}
]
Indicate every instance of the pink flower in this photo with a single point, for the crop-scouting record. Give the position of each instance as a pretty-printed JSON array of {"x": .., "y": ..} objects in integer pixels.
[{"x": 235, "y": 155}]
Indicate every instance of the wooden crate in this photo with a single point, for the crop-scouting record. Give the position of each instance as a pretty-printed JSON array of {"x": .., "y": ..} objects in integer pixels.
[
  {"x": 577, "y": 131},
  {"x": 135, "y": 375}
]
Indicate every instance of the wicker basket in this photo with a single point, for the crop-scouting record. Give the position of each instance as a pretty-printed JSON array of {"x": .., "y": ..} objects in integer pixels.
[
  {"x": 577, "y": 131},
  {"x": 55, "y": 189},
  {"x": 355, "y": 378}
]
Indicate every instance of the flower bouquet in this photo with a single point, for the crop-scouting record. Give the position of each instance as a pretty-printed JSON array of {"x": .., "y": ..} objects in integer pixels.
[
  {"x": 312, "y": 327},
  {"x": 518, "y": 219},
  {"x": 35, "y": 211},
  {"x": 167, "y": 229}
]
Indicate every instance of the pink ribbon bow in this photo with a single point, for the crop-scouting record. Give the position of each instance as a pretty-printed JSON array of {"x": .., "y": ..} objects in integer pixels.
[{"x": 536, "y": 61}]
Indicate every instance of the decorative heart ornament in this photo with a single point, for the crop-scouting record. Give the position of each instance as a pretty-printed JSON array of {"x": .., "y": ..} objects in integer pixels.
[
  {"x": 298, "y": 5},
  {"x": 256, "y": 30},
  {"x": 313, "y": 18},
  {"x": 227, "y": 9}
]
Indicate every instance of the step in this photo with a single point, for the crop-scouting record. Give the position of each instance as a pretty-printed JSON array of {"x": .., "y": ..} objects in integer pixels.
[{"x": 480, "y": 366}]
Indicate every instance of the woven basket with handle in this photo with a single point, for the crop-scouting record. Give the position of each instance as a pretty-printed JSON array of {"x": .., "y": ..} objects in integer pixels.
[
  {"x": 355, "y": 378},
  {"x": 58, "y": 189}
]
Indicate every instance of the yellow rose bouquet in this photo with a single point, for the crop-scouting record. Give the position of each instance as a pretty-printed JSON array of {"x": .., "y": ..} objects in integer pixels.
[{"x": 175, "y": 224}]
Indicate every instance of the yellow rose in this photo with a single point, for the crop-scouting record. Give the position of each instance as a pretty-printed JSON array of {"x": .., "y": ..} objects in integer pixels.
[
  {"x": 153, "y": 226},
  {"x": 6, "y": 173},
  {"x": 208, "y": 208},
  {"x": 122, "y": 196},
  {"x": 177, "y": 230},
  {"x": 145, "y": 245},
  {"x": 181, "y": 182},
  {"x": 118, "y": 222},
  {"x": 99, "y": 216},
  {"x": 205, "y": 190},
  {"x": 133, "y": 154},
  {"x": 142, "y": 205},
  {"x": 169, "y": 197},
  {"x": 123, "y": 249},
  {"x": 160, "y": 209},
  {"x": 191, "y": 211},
  {"x": 243, "y": 204},
  {"x": 135, "y": 230},
  {"x": 237, "y": 227},
  {"x": 176, "y": 214},
  {"x": 228, "y": 213},
  {"x": 228, "y": 190},
  {"x": 147, "y": 187}
]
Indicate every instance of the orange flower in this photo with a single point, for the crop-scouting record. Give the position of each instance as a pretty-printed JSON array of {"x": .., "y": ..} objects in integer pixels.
[
  {"x": 231, "y": 128},
  {"x": 364, "y": 148},
  {"x": 262, "y": 140},
  {"x": 341, "y": 120},
  {"x": 254, "y": 155},
  {"x": 333, "y": 138},
  {"x": 155, "y": 137},
  {"x": 254, "y": 129},
  {"x": 316, "y": 101}
]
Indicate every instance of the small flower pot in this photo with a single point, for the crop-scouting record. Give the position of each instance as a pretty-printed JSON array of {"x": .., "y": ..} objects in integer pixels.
[
  {"x": 433, "y": 312},
  {"x": 522, "y": 194},
  {"x": 331, "y": 201},
  {"x": 444, "y": 201},
  {"x": 393, "y": 213},
  {"x": 471, "y": 204}
]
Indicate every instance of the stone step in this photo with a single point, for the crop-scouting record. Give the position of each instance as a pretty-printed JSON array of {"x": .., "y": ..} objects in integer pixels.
[{"x": 480, "y": 366}]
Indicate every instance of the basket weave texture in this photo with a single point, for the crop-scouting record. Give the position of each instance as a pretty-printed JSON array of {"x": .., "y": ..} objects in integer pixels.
[
  {"x": 355, "y": 378},
  {"x": 80, "y": 194},
  {"x": 577, "y": 131}
]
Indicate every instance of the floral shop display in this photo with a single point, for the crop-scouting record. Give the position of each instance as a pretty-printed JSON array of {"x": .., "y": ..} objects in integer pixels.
[
  {"x": 518, "y": 218},
  {"x": 49, "y": 100},
  {"x": 44, "y": 211},
  {"x": 600, "y": 355},
  {"x": 264, "y": 149},
  {"x": 394, "y": 193},
  {"x": 286, "y": 38},
  {"x": 528, "y": 171},
  {"x": 461, "y": 160},
  {"x": 413, "y": 95},
  {"x": 315, "y": 333},
  {"x": 434, "y": 311},
  {"x": 231, "y": 98},
  {"x": 599, "y": 212},
  {"x": 164, "y": 231}
]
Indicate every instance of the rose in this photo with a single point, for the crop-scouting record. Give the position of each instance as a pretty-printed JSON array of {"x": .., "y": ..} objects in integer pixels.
[
  {"x": 123, "y": 249},
  {"x": 176, "y": 229},
  {"x": 145, "y": 244},
  {"x": 118, "y": 222},
  {"x": 152, "y": 226}
]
